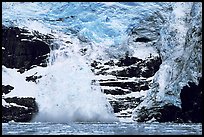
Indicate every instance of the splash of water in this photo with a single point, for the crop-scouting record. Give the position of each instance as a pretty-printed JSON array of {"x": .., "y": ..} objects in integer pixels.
[{"x": 67, "y": 92}]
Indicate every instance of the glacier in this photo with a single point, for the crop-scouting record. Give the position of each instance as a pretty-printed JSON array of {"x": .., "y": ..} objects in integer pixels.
[
  {"x": 181, "y": 51},
  {"x": 85, "y": 32}
]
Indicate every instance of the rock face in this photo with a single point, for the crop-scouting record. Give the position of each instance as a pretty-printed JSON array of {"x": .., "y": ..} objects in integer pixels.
[
  {"x": 167, "y": 113},
  {"x": 22, "y": 50},
  {"x": 121, "y": 78},
  {"x": 191, "y": 102},
  {"x": 19, "y": 109},
  {"x": 33, "y": 78},
  {"x": 6, "y": 89}
]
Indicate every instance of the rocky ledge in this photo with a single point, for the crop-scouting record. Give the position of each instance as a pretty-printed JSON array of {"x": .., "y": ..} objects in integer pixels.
[
  {"x": 126, "y": 80},
  {"x": 17, "y": 109},
  {"x": 22, "y": 50}
]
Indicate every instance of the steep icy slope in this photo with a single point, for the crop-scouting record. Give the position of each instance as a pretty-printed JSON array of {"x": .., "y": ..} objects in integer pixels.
[{"x": 181, "y": 50}]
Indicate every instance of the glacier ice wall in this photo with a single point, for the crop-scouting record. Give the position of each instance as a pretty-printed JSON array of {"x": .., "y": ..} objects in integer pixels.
[{"x": 180, "y": 47}]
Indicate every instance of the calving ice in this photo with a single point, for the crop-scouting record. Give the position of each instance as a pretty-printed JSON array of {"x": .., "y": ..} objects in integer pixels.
[{"x": 100, "y": 62}]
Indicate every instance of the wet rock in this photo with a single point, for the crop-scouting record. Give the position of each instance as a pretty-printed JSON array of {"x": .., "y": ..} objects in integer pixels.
[
  {"x": 133, "y": 71},
  {"x": 33, "y": 78},
  {"x": 124, "y": 103},
  {"x": 23, "y": 110},
  {"x": 152, "y": 66},
  {"x": 123, "y": 76},
  {"x": 191, "y": 102},
  {"x": 127, "y": 61},
  {"x": 129, "y": 67},
  {"x": 116, "y": 91},
  {"x": 132, "y": 86},
  {"x": 6, "y": 89},
  {"x": 21, "y": 50},
  {"x": 95, "y": 65},
  {"x": 169, "y": 113},
  {"x": 110, "y": 63},
  {"x": 166, "y": 113},
  {"x": 142, "y": 39},
  {"x": 28, "y": 102}
]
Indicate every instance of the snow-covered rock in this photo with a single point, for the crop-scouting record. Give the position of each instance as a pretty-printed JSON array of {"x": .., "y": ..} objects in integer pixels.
[{"x": 121, "y": 78}]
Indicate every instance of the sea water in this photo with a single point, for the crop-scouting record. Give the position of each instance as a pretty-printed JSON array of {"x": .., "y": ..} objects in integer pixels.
[{"x": 101, "y": 128}]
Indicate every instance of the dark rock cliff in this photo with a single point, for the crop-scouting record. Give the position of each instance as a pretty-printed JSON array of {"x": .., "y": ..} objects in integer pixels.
[
  {"x": 121, "y": 77},
  {"x": 22, "y": 50}
]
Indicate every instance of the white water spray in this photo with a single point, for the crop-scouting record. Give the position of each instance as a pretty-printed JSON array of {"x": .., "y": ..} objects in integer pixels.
[{"x": 67, "y": 93}]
